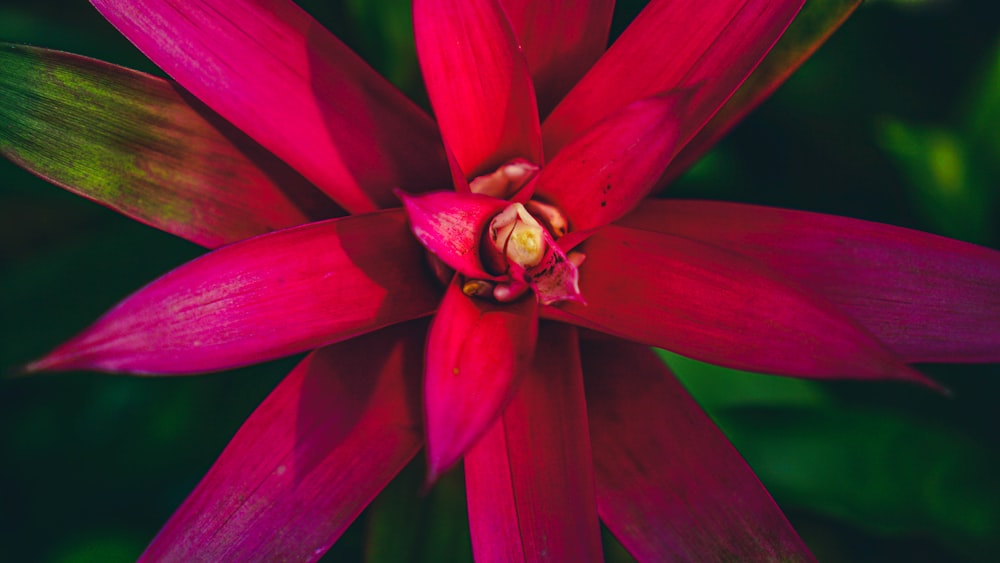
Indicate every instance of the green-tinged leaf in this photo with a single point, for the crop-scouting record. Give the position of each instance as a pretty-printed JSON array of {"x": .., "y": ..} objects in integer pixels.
[
  {"x": 947, "y": 189},
  {"x": 886, "y": 472},
  {"x": 110, "y": 547},
  {"x": 810, "y": 29},
  {"x": 143, "y": 147},
  {"x": 717, "y": 387}
]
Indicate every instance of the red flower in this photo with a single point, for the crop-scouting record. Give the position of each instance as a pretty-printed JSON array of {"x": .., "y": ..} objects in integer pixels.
[{"x": 535, "y": 203}]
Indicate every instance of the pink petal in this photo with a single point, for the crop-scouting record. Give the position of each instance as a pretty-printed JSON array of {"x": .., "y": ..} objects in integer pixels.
[
  {"x": 671, "y": 45},
  {"x": 451, "y": 225},
  {"x": 270, "y": 296},
  {"x": 928, "y": 298},
  {"x": 605, "y": 172},
  {"x": 477, "y": 351},
  {"x": 812, "y": 27},
  {"x": 275, "y": 73},
  {"x": 478, "y": 83},
  {"x": 670, "y": 487},
  {"x": 143, "y": 147},
  {"x": 530, "y": 481},
  {"x": 719, "y": 307},
  {"x": 560, "y": 40},
  {"x": 309, "y": 459}
]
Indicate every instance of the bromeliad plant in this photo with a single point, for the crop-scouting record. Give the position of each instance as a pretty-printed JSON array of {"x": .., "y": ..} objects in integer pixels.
[{"x": 480, "y": 250}]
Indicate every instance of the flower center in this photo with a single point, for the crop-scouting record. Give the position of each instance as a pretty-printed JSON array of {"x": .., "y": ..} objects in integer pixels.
[
  {"x": 500, "y": 249},
  {"x": 517, "y": 246},
  {"x": 516, "y": 236}
]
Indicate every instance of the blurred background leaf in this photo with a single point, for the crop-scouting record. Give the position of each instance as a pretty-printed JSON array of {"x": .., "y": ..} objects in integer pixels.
[
  {"x": 952, "y": 168},
  {"x": 948, "y": 191},
  {"x": 906, "y": 473}
]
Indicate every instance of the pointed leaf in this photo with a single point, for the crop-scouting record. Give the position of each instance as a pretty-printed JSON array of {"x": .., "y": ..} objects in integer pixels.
[
  {"x": 561, "y": 40},
  {"x": 669, "y": 484},
  {"x": 143, "y": 147},
  {"x": 930, "y": 299},
  {"x": 810, "y": 29},
  {"x": 478, "y": 83},
  {"x": 719, "y": 307},
  {"x": 451, "y": 225},
  {"x": 477, "y": 351},
  {"x": 607, "y": 171},
  {"x": 530, "y": 480},
  {"x": 274, "y": 72},
  {"x": 270, "y": 296},
  {"x": 309, "y": 459},
  {"x": 674, "y": 45}
]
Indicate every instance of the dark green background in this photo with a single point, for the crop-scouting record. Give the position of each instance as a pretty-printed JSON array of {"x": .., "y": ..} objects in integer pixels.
[{"x": 897, "y": 120}]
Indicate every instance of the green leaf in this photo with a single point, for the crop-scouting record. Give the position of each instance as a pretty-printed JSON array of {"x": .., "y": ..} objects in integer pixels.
[
  {"x": 387, "y": 41},
  {"x": 982, "y": 122},
  {"x": 886, "y": 472},
  {"x": 144, "y": 147},
  {"x": 716, "y": 387},
  {"x": 947, "y": 189}
]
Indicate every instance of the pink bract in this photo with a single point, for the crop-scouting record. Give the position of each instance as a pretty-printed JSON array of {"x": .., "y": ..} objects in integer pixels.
[{"x": 562, "y": 415}]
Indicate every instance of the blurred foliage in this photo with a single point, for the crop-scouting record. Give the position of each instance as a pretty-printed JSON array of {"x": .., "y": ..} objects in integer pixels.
[
  {"x": 897, "y": 119},
  {"x": 953, "y": 167},
  {"x": 888, "y": 470}
]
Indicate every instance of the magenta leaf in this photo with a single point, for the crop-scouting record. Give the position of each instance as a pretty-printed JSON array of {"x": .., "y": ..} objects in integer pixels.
[
  {"x": 310, "y": 458},
  {"x": 451, "y": 225},
  {"x": 928, "y": 298},
  {"x": 274, "y": 72},
  {"x": 530, "y": 480},
  {"x": 674, "y": 45},
  {"x": 670, "y": 486},
  {"x": 810, "y": 29},
  {"x": 719, "y": 307},
  {"x": 560, "y": 40},
  {"x": 477, "y": 351},
  {"x": 267, "y": 297},
  {"x": 607, "y": 171},
  {"x": 478, "y": 83}
]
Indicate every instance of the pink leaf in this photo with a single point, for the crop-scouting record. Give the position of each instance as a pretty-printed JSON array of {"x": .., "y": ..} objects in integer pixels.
[
  {"x": 477, "y": 351},
  {"x": 674, "y": 45},
  {"x": 930, "y": 299},
  {"x": 811, "y": 28},
  {"x": 670, "y": 487},
  {"x": 530, "y": 481},
  {"x": 270, "y": 296},
  {"x": 719, "y": 307},
  {"x": 607, "y": 171},
  {"x": 451, "y": 225},
  {"x": 309, "y": 459},
  {"x": 561, "y": 40},
  {"x": 274, "y": 72},
  {"x": 478, "y": 83}
]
